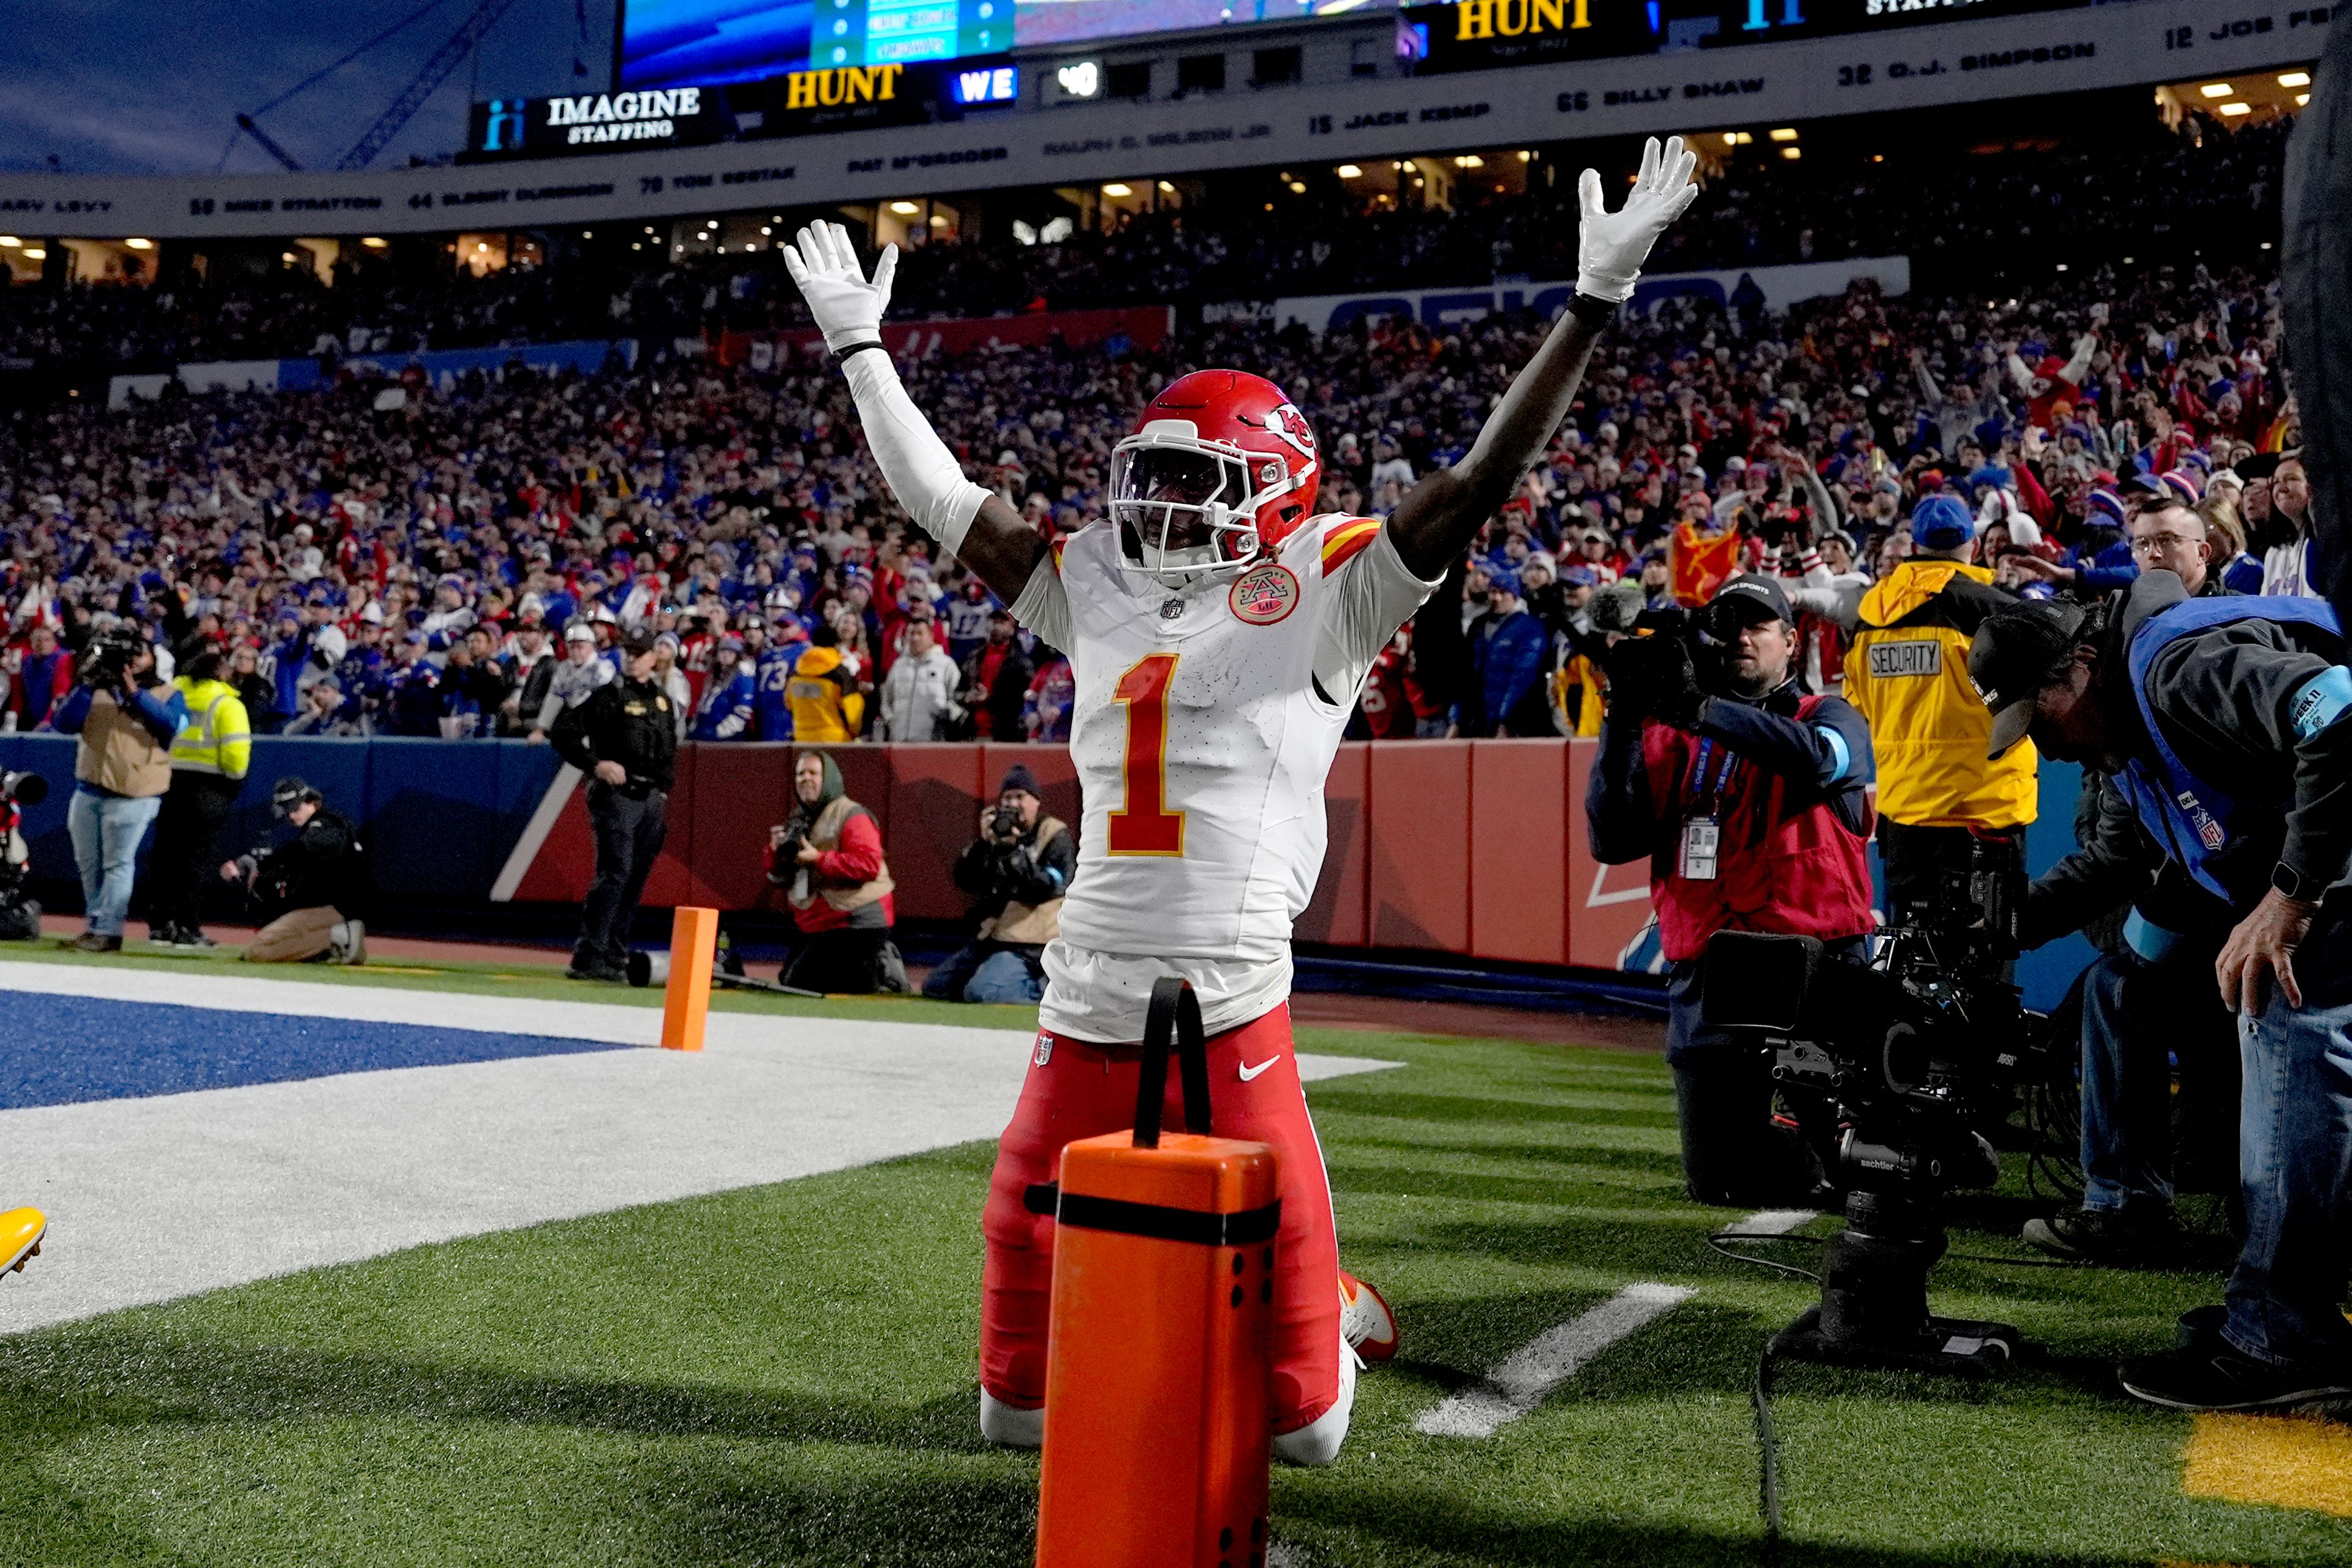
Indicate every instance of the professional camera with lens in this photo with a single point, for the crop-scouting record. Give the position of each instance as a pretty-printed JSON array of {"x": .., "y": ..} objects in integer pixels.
[
  {"x": 1920, "y": 1054},
  {"x": 1005, "y": 824},
  {"x": 106, "y": 657},
  {"x": 20, "y": 916}
]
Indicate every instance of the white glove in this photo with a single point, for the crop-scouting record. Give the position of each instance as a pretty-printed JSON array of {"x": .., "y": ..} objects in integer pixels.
[
  {"x": 1612, "y": 246},
  {"x": 848, "y": 310}
]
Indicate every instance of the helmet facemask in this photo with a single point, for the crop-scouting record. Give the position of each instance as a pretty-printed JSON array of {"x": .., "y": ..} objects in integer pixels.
[{"x": 1187, "y": 508}]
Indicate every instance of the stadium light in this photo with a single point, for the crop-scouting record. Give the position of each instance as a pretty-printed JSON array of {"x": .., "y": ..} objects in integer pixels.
[
  {"x": 1470, "y": 160},
  {"x": 1166, "y": 189},
  {"x": 9, "y": 242},
  {"x": 2295, "y": 79},
  {"x": 938, "y": 220},
  {"x": 140, "y": 244},
  {"x": 2301, "y": 99},
  {"x": 1297, "y": 187},
  {"x": 904, "y": 209},
  {"x": 1116, "y": 190},
  {"x": 36, "y": 253},
  {"x": 2062, "y": 267},
  {"x": 2232, "y": 111},
  {"x": 376, "y": 242},
  {"x": 1350, "y": 172},
  {"x": 1731, "y": 138},
  {"x": 1793, "y": 152},
  {"x": 2217, "y": 89},
  {"x": 1786, "y": 134},
  {"x": 1526, "y": 157},
  {"x": 765, "y": 228}
]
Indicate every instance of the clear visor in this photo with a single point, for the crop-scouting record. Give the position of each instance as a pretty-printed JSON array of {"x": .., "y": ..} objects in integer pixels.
[{"x": 1182, "y": 510}]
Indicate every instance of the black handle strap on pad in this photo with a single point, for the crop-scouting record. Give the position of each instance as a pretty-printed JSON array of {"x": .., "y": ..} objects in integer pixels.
[{"x": 1175, "y": 1015}]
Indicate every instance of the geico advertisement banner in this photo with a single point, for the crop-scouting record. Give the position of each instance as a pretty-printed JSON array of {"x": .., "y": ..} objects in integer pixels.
[
  {"x": 1701, "y": 89},
  {"x": 1773, "y": 288}
]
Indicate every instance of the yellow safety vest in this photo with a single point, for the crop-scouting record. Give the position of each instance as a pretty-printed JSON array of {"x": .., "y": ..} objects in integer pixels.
[
  {"x": 218, "y": 736},
  {"x": 1908, "y": 674}
]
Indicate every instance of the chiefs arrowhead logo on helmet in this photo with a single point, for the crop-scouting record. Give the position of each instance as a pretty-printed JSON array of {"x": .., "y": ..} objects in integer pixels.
[{"x": 1221, "y": 466}]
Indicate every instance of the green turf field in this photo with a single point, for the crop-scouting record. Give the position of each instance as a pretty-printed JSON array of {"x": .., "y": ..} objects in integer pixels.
[{"x": 785, "y": 1375}]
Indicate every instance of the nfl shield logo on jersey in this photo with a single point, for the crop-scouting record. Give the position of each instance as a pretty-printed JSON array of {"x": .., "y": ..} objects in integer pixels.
[
  {"x": 1044, "y": 1048},
  {"x": 2210, "y": 831},
  {"x": 1265, "y": 594}
]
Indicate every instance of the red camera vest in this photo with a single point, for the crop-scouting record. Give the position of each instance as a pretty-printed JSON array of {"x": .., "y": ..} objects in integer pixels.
[{"x": 1794, "y": 874}]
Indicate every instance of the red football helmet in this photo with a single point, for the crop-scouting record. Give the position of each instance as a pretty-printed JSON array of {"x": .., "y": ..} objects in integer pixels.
[{"x": 1220, "y": 466}]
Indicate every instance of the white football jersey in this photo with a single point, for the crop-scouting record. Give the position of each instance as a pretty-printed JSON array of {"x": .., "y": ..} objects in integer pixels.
[{"x": 1205, "y": 721}]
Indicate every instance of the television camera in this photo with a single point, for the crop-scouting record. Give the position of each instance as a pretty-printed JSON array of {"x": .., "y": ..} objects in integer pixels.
[{"x": 1919, "y": 1053}]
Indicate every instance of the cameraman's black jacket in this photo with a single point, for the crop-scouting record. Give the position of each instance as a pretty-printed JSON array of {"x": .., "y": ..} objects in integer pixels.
[
  {"x": 319, "y": 865},
  {"x": 1032, "y": 871},
  {"x": 626, "y": 721}
]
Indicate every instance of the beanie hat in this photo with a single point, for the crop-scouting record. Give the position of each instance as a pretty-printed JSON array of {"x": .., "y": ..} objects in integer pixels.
[
  {"x": 1019, "y": 779},
  {"x": 1941, "y": 522},
  {"x": 2107, "y": 502}
]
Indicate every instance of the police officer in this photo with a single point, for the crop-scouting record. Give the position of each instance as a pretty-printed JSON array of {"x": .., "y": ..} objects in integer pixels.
[
  {"x": 624, "y": 737},
  {"x": 1749, "y": 804},
  {"x": 1907, "y": 673},
  {"x": 209, "y": 759},
  {"x": 2226, "y": 723}
]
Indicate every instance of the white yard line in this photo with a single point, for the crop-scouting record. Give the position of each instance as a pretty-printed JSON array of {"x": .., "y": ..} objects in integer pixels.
[
  {"x": 150, "y": 1199},
  {"x": 1518, "y": 1383},
  {"x": 1771, "y": 1222}
]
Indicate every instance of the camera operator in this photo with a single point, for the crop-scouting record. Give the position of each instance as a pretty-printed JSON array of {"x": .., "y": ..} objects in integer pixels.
[
  {"x": 308, "y": 887},
  {"x": 624, "y": 735},
  {"x": 828, "y": 860},
  {"x": 1749, "y": 804},
  {"x": 1906, "y": 672},
  {"x": 126, "y": 717},
  {"x": 1017, "y": 871},
  {"x": 209, "y": 758},
  {"x": 2223, "y": 721}
]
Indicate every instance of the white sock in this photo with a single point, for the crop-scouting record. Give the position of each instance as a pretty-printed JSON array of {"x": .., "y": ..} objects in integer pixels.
[
  {"x": 1318, "y": 1443},
  {"x": 1008, "y": 1426}
]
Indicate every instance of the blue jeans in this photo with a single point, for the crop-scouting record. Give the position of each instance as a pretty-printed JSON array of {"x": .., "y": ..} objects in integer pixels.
[
  {"x": 975, "y": 973},
  {"x": 106, "y": 831},
  {"x": 2296, "y": 1160}
]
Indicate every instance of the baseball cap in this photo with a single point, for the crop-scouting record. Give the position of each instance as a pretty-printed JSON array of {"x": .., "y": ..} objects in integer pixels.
[
  {"x": 2017, "y": 651},
  {"x": 1748, "y": 599},
  {"x": 1941, "y": 522},
  {"x": 640, "y": 640},
  {"x": 288, "y": 793},
  {"x": 578, "y": 631}
]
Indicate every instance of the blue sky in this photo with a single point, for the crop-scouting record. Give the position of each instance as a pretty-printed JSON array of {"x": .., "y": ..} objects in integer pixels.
[{"x": 110, "y": 87}]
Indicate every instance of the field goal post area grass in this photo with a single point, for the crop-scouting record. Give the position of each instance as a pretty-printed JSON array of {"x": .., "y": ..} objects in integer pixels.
[{"x": 784, "y": 1371}]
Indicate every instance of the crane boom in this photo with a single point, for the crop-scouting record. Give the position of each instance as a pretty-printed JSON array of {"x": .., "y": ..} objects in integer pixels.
[
  {"x": 269, "y": 143},
  {"x": 427, "y": 80}
]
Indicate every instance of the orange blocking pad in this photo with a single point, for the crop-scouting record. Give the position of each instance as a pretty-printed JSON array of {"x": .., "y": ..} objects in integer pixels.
[
  {"x": 693, "y": 944},
  {"x": 1157, "y": 1419}
]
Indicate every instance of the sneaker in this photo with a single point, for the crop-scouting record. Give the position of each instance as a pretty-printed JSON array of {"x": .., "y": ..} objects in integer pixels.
[
  {"x": 2144, "y": 1235},
  {"x": 1365, "y": 1320},
  {"x": 2219, "y": 1377},
  {"x": 90, "y": 942},
  {"x": 348, "y": 942},
  {"x": 188, "y": 939},
  {"x": 2200, "y": 1329},
  {"x": 591, "y": 969},
  {"x": 20, "y": 1237}
]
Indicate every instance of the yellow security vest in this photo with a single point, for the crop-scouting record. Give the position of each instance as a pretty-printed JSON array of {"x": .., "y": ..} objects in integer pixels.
[
  {"x": 1907, "y": 672},
  {"x": 218, "y": 736},
  {"x": 821, "y": 712}
]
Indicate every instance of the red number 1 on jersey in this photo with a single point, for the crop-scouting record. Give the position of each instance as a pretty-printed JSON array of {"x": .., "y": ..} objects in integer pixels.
[{"x": 1144, "y": 824}]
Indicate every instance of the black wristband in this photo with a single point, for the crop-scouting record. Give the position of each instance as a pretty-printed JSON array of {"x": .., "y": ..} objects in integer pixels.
[
  {"x": 1591, "y": 310},
  {"x": 841, "y": 356}
]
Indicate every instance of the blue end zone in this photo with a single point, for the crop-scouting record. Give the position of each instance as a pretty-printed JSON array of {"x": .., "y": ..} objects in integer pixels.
[{"x": 60, "y": 1050}]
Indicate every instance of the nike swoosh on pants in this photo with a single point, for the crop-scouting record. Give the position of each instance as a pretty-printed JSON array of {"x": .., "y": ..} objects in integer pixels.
[{"x": 1249, "y": 1073}]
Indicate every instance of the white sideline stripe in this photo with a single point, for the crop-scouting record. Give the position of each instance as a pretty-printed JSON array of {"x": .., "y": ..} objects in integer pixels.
[
  {"x": 534, "y": 834},
  {"x": 1519, "y": 1381},
  {"x": 154, "y": 1199},
  {"x": 1771, "y": 1222}
]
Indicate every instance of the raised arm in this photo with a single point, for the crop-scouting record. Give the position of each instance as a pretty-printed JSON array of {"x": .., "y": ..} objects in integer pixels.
[
  {"x": 1438, "y": 517},
  {"x": 970, "y": 522}
]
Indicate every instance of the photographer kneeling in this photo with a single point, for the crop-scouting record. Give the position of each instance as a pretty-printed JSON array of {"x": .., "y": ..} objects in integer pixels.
[
  {"x": 1018, "y": 869},
  {"x": 306, "y": 888},
  {"x": 1749, "y": 802},
  {"x": 828, "y": 859}
]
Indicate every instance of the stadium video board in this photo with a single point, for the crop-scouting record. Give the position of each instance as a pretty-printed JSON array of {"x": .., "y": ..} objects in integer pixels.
[{"x": 672, "y": 43}]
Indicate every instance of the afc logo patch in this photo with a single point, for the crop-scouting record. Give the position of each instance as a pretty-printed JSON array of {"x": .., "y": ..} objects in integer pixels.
[{"x": 1263, "y": 594}]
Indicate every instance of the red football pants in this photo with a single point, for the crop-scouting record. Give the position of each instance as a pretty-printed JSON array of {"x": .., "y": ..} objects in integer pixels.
[{"x": 1078, "y": 1089}]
